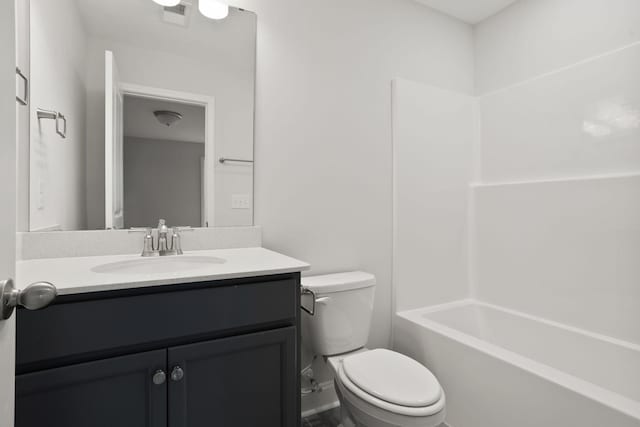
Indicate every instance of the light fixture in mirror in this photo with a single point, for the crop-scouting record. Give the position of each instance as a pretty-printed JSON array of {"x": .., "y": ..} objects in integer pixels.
[
  {"x": 167, "y": 3},
  {"x": 213, "y": 9},
  {"x": 167, "y": 118}
]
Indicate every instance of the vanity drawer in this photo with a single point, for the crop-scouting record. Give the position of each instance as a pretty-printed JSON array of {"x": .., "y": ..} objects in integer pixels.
[{"x": 70, "y": 331}]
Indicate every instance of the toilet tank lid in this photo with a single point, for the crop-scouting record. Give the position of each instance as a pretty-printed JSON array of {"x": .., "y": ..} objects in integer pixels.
[{"x": 339, "y": 282}]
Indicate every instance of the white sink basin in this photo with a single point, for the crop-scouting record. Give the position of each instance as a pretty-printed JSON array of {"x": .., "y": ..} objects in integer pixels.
[{"x": 168, "y": 264}]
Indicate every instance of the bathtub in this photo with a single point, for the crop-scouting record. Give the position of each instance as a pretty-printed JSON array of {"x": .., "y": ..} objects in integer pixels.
[{"x": 502, "y": 368}]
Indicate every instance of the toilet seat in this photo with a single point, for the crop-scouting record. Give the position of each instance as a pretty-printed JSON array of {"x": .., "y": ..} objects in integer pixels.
[
  {"x": 373, "y": 390},
  {"x": 393, "y": 377}
]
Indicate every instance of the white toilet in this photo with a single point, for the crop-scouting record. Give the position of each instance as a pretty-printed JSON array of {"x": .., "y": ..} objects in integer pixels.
[{"x": 376, "y": 388}]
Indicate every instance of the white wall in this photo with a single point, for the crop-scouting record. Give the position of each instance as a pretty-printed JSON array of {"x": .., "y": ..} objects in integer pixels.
[
  {"x": 433, "y": 139},
  {"x": 153, "y": 190},
  {"x": 57, "y": 166},
  {"x": 558, "y": 198},
  {"x": 233, "y": 92},
  {"x": 323, "y": 129}
]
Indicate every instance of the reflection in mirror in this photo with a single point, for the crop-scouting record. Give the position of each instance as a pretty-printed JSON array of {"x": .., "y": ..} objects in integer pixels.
[
  {"x": 152, "y": 97},
  {"x": 163, "y": 136}
]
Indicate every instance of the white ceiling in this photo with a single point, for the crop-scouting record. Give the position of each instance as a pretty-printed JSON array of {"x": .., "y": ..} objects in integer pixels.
[
  {"x": 470, "y": 11},
  {"x": 139, "y": 121}
]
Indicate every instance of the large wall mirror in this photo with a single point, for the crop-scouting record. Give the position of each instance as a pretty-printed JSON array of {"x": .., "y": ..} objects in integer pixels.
[{"x": 139, "y": 112}]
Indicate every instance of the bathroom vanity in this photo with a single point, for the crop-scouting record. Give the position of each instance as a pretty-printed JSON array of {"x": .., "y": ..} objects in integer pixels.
[{"x": 214, "y": 348}]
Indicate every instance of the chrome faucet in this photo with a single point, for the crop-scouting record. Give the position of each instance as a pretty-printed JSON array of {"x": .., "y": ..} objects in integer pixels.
[{"x": 164, "y": 247}]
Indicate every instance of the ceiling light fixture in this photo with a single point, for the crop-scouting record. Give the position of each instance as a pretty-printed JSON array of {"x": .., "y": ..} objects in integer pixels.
[
  {"x": 167, "y": 118},
  {"x": 213, "y": 9},
  {"x": 167, "y": 3}
]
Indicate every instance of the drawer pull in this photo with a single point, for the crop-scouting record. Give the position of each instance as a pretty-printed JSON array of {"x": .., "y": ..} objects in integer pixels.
[{"x": 177, "y": 374}]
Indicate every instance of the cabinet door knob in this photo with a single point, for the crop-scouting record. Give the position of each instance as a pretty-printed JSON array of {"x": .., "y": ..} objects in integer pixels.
[
  {"x": 159, "y": 377},
  {"x": 177, "y": 373}
]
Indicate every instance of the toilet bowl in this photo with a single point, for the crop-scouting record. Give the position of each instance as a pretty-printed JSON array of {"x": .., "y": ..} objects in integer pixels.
[
  {"x": 376, "y": 388},
  {"x": 380, "y": 388}
]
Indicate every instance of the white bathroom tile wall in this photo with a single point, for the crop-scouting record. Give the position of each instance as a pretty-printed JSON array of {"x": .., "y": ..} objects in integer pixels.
[
  {"x": 433, "y": 136},
  {"x": 580, "y": 121},
  {"x": 563, "y": 250},
  {"x": 63, "y": 244}
]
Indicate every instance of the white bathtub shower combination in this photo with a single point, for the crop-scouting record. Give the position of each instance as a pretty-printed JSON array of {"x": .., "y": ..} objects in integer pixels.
[
  {"x": 516, "y": 222},
  {"x": 502, "y": 368}
]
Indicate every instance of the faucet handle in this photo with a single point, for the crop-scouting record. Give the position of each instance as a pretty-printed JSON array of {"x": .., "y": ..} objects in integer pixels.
[
  {"x": 147, "y": 250},
  {"x": 176, "y": 244}
]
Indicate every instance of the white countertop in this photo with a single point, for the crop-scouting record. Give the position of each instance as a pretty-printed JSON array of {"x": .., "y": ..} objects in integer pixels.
[{"x": 77, "y": 275}]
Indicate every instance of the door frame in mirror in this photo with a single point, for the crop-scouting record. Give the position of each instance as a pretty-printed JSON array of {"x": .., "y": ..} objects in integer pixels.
[{"x": 208, "y": 102}]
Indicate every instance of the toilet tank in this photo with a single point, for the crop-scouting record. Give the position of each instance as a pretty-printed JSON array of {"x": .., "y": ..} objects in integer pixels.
[{"x": 344, "y": 305}]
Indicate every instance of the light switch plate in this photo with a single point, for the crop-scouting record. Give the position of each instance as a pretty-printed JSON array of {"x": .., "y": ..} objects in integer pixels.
[{"x": 240, "y": 201}]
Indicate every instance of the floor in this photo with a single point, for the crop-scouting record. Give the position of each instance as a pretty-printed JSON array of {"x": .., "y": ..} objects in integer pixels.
[{"x": 329, "y": 418}]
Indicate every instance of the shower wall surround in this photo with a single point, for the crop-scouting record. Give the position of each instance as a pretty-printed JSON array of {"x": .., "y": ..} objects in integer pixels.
[
  {"x": 563, "y": 250},
  {"x": 552, "y": 210},
  {"x": 532, "y": 38},
  {"x": 434, "y": 134},
  {"x": 557, "y": 228}
]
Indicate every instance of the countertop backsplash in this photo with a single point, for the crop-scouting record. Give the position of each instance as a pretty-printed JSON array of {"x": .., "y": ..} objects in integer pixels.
[{"x": 63, "y": 244}]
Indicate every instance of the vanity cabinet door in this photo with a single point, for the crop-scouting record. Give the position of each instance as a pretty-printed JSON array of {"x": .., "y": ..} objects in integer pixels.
[
  {"x": 121, "y": 391},
  {"x": 248, "y": 380}
]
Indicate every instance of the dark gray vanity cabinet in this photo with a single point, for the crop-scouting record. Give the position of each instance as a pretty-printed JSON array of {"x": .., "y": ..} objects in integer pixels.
[
  {"x": 104, "y": 393},
  {"x": 239, "y": 381},
  {"x": 220, "y": 353}
]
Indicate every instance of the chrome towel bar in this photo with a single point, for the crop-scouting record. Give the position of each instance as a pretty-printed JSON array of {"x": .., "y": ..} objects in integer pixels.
[
  {"x": 224, "y": 160},
  {"x": 24, "y": 99}
]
